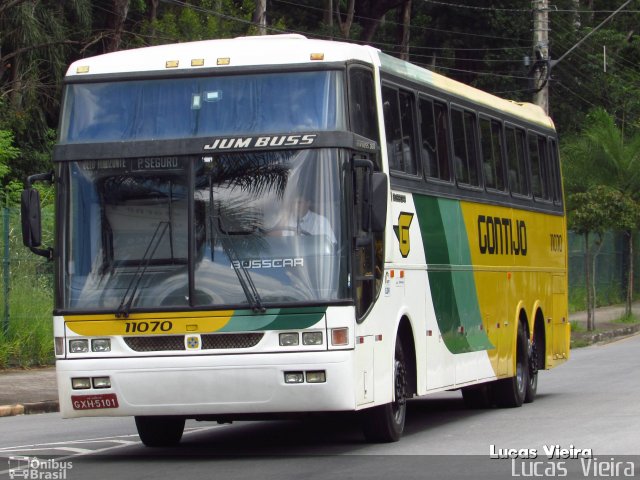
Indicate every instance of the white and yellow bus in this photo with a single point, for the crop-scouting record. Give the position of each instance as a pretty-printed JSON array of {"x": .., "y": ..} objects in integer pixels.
[{"x": 275, "y": 225}]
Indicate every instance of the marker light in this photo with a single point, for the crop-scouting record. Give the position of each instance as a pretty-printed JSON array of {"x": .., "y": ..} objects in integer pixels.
[
  {"x": 58, "y": 343},
  {"x": 223, "y": 61},
  {"x": 101, "y": 345},
  {"x": 79, "y": 346},
  {"x": 82, "y": 383},
  {"x": 340, "y": 336},
  {"x": 312, "y": 338},
  {"x": 172, "y": 64},
  {"x": 316, "y": 56},
  {"x": 289, "y": 339}
]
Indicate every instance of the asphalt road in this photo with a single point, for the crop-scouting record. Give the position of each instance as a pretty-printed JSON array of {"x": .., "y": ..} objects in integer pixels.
[{"x": 591, "y": 403}]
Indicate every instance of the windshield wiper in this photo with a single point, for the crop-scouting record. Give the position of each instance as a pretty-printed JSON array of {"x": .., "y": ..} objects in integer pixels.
[
  {"x": 244, "y": 277},
  {"x": 156, "y": 238},
  {"x": 246, "y": 282}
]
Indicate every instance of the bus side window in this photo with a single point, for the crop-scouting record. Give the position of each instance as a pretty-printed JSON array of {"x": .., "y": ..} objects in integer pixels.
[
  {"x": 492, "y": 162},
  {"x": 399, "y": 114},
  {"x": 515, "y": 143},
  {"x": 554, "y": 167},
  {"x": 538, "y": 158},
  {"x": 362, "y": 104},
  {"x": 434, "y": 129},
  {"x": 463, "y": 128}
]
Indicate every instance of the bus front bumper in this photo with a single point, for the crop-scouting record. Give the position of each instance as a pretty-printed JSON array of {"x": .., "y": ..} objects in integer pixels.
[{"x": 207, "y": 385}]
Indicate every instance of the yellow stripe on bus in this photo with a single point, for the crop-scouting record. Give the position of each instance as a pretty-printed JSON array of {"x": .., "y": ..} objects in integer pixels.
[{"x": 149, "y": 323}]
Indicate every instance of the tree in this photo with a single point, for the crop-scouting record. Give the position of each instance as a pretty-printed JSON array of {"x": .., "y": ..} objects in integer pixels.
[
  {"x": 602, "y": 156},
  {"x": 599, "y": 209}
]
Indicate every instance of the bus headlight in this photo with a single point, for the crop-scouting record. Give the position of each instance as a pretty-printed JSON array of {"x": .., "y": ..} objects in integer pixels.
[
  {"x": 101, "y": 345},
  {"x": 289, "y": 339},
  {"x": 316, "y": 377},
  {"x": 101, "y": 382},
  {"x": 79, "y": 345},
  {"x": 312, "y": 338},
  {"x": 81, "y": 383}
]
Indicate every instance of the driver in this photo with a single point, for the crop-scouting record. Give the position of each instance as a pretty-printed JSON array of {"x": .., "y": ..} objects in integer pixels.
[{"x": 301, "y": 220}]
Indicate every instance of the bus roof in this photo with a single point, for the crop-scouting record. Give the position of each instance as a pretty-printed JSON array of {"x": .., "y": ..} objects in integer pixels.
[
  {"x": 241, "y": 51},
  {"x": 288, "y": 49}
]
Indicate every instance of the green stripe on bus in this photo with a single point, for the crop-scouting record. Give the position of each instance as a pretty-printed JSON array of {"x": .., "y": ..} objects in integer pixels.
[
  {"x": 453, "y": 288},
  {"x": 274, "y": 319}
]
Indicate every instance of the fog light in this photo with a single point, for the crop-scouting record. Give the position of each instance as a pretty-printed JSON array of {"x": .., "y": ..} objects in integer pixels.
[
  {"x": 101, "y": 382},
  {"x": 312, "y": 338},
  {"x": 58, "y": 344},
  {"x": 316, "y": 377},
  {"x": 289, "y": 339},
  {"x": 101, "y": 345},
  {"x": 79, "y": 346},
  {"x": 293, "y": 377},
  {"x": 81, "y": 383},
  {"x": 340, "y": 336}
]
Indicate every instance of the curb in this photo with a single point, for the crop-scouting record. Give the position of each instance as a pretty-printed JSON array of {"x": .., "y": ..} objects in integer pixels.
[
  {"x": 603, "y": 337},
  {"x": 48, "y": 406}
]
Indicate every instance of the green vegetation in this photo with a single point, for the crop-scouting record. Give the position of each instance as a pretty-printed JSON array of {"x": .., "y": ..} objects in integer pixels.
[{"x": 628, "y": 320}]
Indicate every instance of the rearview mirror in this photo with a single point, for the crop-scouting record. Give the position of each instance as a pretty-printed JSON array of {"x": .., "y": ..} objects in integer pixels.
[{"x": 31, "y": 219}]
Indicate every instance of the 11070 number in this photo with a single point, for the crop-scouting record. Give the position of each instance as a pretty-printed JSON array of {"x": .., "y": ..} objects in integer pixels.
[{"x": 148, "y": 327}]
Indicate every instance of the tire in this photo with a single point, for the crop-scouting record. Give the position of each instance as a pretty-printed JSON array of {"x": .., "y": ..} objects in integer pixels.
[
  {"x": 160, "y": 431},
  {"x": 477, "y": 396},
  {"x": 385, "y": 423},
  {"x": 532, "y": 383},
  {"x": 511, "y": 392}
]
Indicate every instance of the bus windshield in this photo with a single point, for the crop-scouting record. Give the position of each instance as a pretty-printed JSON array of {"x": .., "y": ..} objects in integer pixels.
[
  {"x": 266, "y": 230},
  {"x": 190, "y": 107}
]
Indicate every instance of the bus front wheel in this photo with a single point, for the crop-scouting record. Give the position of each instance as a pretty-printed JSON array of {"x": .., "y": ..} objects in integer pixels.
[
  {"x": 385, "y": 423},
  {"x": 160, "y": 431}
]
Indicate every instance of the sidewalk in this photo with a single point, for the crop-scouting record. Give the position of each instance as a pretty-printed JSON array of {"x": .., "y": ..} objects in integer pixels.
[{"x": 34, "y": 390}]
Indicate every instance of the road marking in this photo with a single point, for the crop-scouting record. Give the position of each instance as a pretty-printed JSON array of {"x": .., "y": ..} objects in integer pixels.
[{"x": 68, "y": 446}]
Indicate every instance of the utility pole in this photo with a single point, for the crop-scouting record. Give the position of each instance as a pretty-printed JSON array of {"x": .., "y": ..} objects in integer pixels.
[
  {"x": 541, "y": 63},
  {"x": 260, "y": 16}
]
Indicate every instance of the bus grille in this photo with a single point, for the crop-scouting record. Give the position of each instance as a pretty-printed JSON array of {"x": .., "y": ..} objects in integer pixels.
[{"x": 210, "y": 341}]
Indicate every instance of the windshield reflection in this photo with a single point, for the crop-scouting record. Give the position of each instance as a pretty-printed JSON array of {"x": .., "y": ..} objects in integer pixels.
[{"x": 267, "y": 230}]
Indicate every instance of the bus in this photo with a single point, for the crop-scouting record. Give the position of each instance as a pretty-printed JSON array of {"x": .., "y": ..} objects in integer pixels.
[{"x": 270, "y": 226}]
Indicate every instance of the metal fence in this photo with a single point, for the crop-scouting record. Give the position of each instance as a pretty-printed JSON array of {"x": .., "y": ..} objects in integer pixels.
[
  {"x": 26, "y": 292},
  {"x": 610, "y": 266}
]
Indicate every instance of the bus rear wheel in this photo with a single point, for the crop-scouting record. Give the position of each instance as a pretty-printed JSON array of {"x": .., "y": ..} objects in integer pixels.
[
  {"x": 385, "y": 423},
  {"x": 511, "y": 392},
  {"x": 160, "y": 431},
  {"x": 532, "y": 384}
]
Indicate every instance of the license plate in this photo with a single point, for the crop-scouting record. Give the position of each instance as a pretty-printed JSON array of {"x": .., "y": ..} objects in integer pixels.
[{"x": 92, "y": 402}]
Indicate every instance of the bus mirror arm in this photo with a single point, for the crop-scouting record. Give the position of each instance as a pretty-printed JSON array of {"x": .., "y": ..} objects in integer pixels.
[{"x": 30, "y": 209}]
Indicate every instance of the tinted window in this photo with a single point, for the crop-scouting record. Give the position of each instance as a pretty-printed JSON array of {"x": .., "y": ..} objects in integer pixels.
[
  {"x": 491, "y": 144},
  {"x": 399, "y": 126},
  {"x": 463, "y": 129},
  {"x": 515, "y": 143},
  {"x": 539, "y": 159},
  {"x": 433, "y": 127},
  {"x": 362, "y": 104}
]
